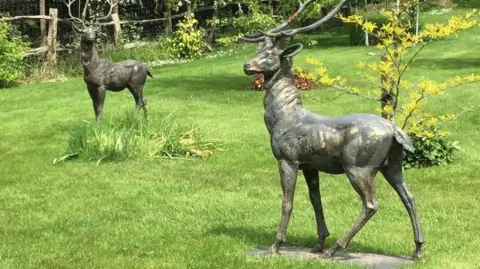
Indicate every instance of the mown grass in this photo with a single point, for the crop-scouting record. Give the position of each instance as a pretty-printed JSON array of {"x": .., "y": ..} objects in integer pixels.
[{"x": 206, "y": 214}]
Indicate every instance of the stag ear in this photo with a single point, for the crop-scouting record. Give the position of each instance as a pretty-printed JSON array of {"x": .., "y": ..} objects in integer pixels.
[
  {"x": 97, "y": 27},
  {"x": 79, "y": 29},
  {"x": 292, "y": 50}
]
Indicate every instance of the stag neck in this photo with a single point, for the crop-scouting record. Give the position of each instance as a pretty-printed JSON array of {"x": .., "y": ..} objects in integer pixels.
[
  {"x": 88, "y": 55},
  {"x": 281, "y": 97}
]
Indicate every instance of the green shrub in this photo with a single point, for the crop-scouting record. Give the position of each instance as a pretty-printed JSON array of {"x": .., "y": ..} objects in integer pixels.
[
  {"x": 11, "y": 50},
  {"x": 130, "y": 137},
  {"x": 228, "y": 29},
  {"x": 253, "y": 22},
  {"x": 467, "y": 3},
  {"x": 187, "y": 40},
  {"x": 429, "y": 5},
  {"x": 431, "y": 148}
]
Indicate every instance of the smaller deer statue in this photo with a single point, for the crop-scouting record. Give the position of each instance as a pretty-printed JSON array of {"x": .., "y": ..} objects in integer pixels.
[
  {"x": 358, "y": 145},
  {"x": 101, "y": 75}
]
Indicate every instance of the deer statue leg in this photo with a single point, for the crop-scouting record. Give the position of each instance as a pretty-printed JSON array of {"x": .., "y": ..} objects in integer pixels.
[
  {"x": 140, "y": 101},
  {"x": 144, "y": 106},
  {"x": 288, "y": 178},
  {"x": 98, "y": 99},
  {"x": 362, "y": 180},
  {"x": 393, "y": 174},
  {"x": 313, "y": 183}
]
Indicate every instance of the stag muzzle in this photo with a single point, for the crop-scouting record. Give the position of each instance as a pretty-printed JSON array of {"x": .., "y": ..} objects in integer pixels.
[{"x": 251, "y": 68}]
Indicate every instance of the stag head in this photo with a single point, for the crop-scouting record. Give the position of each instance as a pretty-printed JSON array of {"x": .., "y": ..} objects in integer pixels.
[
  {"x": 88, "y": 28},
  {"x": 271, "y": 57}
]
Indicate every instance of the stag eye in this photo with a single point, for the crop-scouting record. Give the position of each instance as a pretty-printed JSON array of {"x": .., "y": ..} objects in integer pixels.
[{"x": 270, "y": 55}]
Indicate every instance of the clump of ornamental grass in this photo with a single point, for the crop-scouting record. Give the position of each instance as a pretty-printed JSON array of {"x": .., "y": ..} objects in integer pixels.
[{"x": 132, "y": 137}]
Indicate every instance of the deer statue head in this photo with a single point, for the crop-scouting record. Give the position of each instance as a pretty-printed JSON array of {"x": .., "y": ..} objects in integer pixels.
[
  {"x": 271, "y": 56},
  {"x": 88, "y": 28}
]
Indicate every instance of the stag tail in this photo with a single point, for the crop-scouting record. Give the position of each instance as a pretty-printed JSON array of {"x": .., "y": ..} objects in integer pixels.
[
  {"x": 149, "y": 74},
  {"x": 404, "y": 139}
]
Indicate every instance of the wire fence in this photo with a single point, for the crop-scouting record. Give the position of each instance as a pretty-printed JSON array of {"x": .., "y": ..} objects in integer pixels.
[
  {"x": 30, "y": 29},
  {"x": 140, "y": 20}
]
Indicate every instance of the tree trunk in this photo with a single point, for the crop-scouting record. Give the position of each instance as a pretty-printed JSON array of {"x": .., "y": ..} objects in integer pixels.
[
  {"x": 387, "y": 97},
  {"x": 367, "y": 43},
  {"x": 417, "y": 18}
]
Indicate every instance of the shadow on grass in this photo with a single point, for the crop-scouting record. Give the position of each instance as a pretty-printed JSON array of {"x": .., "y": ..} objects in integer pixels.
[
  {"x": 261, "y": 239},
  {"x": 449, "y": 63}
]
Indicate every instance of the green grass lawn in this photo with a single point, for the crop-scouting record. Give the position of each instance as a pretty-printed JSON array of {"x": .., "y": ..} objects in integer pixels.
[{"x": 206, "y": 214}]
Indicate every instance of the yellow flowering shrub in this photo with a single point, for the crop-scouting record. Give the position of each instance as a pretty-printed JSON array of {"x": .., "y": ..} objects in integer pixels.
[{"x": 402, "y": 101}]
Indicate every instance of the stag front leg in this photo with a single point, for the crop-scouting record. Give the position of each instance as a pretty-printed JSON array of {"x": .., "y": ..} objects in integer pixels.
[
  {"x": 313, "y": 183},
  {"x": 362, "y": 180},
  {"x": 288, "y": 178},
  {"x": 98, "y": 99}
]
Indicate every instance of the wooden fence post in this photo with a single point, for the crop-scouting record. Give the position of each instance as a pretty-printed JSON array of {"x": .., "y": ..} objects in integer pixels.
[
  {"x": 52, "y": 38},
  {"x": 43, "y": 24},
  {"x": 168, "y": 18},
  {"x": 117, "y": 29}
]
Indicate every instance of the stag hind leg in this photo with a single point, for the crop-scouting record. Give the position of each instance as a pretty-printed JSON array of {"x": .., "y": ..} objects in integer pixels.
[
  {"x": 288, "y": 178},
  {"x": 140, "y": 100},
  {"x": 98, "y": 99},
  {"x": 313, "y": 183},
  {"x": 362, "y": 180},
  {"x": 394, "y": 175}
]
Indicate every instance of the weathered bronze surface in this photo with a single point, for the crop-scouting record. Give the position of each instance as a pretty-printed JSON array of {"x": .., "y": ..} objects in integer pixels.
[
  {"x": 101, "y": 75},
  {"x": 358, "y": 145}
]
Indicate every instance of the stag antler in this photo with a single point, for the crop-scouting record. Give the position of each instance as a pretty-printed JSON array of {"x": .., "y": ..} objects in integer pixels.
[
  {"x": 112, "y": 3},
  {"x": 254, "y": 38},
  {"x": 327, "y": 17},
  {"x": 74, "y": 19},
  {"x": 277, "y": 31}
]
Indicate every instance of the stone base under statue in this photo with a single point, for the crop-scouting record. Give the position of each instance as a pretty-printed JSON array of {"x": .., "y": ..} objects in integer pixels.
[{"x": 369, "y": 260}]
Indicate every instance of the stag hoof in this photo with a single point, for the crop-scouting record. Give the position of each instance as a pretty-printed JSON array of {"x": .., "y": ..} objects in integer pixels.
[
  {"x": 318, "y": 248},
  {"x": 327, "y": 254},
  {"x": 418, "y": 254},
  {"x": 273, "y": 250}
]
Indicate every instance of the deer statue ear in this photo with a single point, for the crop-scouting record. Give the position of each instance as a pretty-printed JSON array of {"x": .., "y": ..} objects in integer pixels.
[
  {"x": 292, "y": 50},
  {"x": 78, "y": 28},
  {"x": 96, "y": 28}
]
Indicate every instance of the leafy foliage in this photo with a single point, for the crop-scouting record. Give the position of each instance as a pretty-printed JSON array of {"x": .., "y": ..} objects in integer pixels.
[
  {"x": 303, "y": 78},
  {"x": 232, "y": 27},
  {"x": 400, "y": 100},
  {"x": 257, "y": 19},
  {"x": 468, "y": 3},
  {"x": 288, "y": 7},
  {"x": 11, "y": 50},
  {"x": 129, "y": 137},
  {"x": 188, "y": 41},
  {"x": 431, "y": 149}
]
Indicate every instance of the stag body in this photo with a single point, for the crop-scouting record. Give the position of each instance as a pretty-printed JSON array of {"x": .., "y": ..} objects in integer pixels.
[
  {"x": 101, "y": 75},
  {"x": 358, "y": 145}
]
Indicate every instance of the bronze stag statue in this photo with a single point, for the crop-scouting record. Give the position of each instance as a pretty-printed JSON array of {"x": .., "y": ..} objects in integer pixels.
[
  {"x": 358, "y": 145},
  {"x": 101, "y": 75}
]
